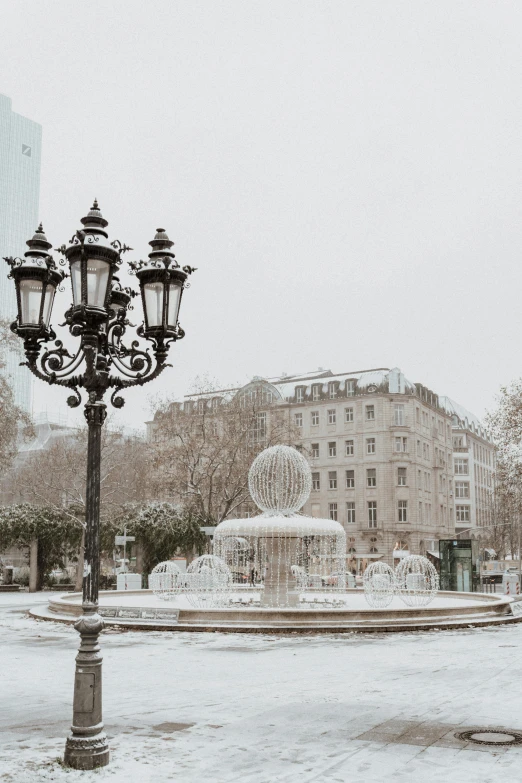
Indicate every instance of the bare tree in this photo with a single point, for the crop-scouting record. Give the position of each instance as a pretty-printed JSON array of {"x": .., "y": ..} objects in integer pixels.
[
  {"x": 201, "y": 451},
  {"x": 505, "y": 425}
]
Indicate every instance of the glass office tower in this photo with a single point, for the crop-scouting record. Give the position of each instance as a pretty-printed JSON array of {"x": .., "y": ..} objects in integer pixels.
[{"x": 20, "y": 155}]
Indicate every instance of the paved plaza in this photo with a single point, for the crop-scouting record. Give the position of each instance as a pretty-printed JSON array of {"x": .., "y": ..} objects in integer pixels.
[{"x": 258, "y": 709}]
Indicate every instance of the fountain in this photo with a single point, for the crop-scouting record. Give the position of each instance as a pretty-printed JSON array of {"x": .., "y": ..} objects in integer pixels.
[{"x": 280, "y": 544}]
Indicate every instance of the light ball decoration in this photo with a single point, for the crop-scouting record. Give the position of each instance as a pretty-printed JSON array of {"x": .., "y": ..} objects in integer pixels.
[
  {"x": 208, "y": 582},
  {"x": 280, "y": 480},
  {"x": 416, "y": 581},
  {"x": 165, "y": 580},
  {"x": 379, "y": 585}
]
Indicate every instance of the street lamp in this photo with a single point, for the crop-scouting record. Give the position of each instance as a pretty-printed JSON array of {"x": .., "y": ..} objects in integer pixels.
[{"x": 98, "y": 317}]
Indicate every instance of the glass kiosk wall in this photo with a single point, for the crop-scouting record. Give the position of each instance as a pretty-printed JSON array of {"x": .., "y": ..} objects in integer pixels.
[{"x": 459, "y": 565}]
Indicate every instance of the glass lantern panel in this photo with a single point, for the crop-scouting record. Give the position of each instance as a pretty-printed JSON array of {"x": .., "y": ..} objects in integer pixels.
[
  {"x": 173, "y": 309},
  {"x": 76, "y": 279},
  {"x": 153, "y": 294},
  {"x": 31, "y": 299},
  {"x": 48, "y": 303},
  {"x": 97, "y": 280}
]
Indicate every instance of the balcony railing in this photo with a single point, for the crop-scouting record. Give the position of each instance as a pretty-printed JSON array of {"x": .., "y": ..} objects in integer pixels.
[{"x": 400, "y": 421}]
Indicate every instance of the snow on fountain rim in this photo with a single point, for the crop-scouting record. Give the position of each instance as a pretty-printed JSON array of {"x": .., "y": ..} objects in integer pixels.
[{"x": 294, "y": 524}]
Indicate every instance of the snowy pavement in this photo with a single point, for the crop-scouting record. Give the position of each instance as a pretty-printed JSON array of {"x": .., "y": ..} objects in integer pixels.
[{"x": 260, "y": 709}]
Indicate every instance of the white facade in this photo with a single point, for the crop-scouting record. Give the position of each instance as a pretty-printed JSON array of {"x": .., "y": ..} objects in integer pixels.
[{"x": 474, "y": 469}]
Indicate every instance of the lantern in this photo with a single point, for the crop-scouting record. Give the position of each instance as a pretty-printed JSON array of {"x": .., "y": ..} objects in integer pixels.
[
  {"x": 161, "y": 282},
  {"x": 36, "y": 278},
  {"x": 93, "y": 262}
]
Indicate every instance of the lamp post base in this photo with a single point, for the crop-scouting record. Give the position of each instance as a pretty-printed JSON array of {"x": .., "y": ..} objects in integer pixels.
[
  {"x": 87, "y": 746},
  {"x": 87, "y": 752}
]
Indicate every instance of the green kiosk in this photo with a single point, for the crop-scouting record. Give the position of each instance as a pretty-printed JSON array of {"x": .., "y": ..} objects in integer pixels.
[{"x": 459, "y": 565}]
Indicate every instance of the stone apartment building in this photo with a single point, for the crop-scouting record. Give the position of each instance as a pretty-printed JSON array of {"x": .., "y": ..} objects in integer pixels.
[
  {"x": 474, "y": 470},
  {"x": 380, "y": 449},
  {"x": 388, "y": 457}
]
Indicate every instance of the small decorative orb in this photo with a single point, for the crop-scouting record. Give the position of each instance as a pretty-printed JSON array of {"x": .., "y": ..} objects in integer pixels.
[
  {"x": 416, "y": 581},
  {"x": 208, "y": 581},
  {"x": 236, "y": 544},
  {"x": 280, "y": 480},
  {"x": 379, "y": 584},
  {"x": 164, "y": 580}
]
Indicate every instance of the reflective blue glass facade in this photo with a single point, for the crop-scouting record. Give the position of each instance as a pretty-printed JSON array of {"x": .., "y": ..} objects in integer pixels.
[{"x": 20, "y": 157}]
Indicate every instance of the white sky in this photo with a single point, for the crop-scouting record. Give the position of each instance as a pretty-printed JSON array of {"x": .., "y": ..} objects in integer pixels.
[{"x": 346, "y": 176}]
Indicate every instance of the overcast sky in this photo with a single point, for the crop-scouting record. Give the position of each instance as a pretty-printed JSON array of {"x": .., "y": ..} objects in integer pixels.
[{"x": 346, "y": 175}]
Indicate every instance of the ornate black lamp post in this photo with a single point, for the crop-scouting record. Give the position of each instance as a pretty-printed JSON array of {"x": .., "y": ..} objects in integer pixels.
[{"x": 98, "y": 317}]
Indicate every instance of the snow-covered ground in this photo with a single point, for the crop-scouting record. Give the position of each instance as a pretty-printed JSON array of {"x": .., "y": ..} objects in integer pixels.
[{"x": 261, "y": 709}]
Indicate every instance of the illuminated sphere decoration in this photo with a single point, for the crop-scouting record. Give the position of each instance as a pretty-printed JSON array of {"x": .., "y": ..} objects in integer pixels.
[
  {"x": 280, "y": 480},
  {"x": 416, "y": 581},
  {"x": 207, "y": 582},
  {"x": 164, "y": 580},
  {"x": 379, "y": 585}
]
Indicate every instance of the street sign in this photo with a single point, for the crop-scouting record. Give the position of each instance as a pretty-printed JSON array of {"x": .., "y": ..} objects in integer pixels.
[{"x": 122, "y": 540}]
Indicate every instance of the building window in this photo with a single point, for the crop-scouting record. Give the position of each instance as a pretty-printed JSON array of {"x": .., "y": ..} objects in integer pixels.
[
  {"x": 332, "y": 449},
  {"x": 348, "y": 448},
  {"x": 316, "y": 392},
  {"x": 350, "y": 479},
  {"x": 332, "y": 417},
  {"x": 401, "y": 444},
  {"x": 462, "y": 513},
  {"x": 401, "y": 477},
  {"x": 462, "y": 489},
  {"x": 403, "y": 510},
  {"x": 332, "y": 511},
  {"x": 315, "y": 450},
  {"x": 299, "y": 394},
  {"x": 348, "y": 415},
  {"x": 370, "y": 445},
  {"x": 399, "y": 414},
  {"x": 350, "y": 388},
  {"x": 298, "y": 419},
  {"x": 259, "y": 428},
  {"x": 461, "y": 467},
  {"x": 315, "y": 418},
  {"x": 316, "y": 482},
  {"x": 417, "y": 415},
  {"x": 371, "y": 477},
  {"x": 372, "y": 514},
  {"x": 350, "y": 513},
  {"x": 418, "y": 448},
  {"x": 420, "y": 513},
  {"x": 332, "y": 390},
  {"x": 370, "y": 412},
  {"x": 332, "y": 479}
]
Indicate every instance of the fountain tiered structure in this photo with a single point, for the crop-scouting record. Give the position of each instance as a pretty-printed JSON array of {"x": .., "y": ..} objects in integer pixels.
[{"x": 280, "y": 551}]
